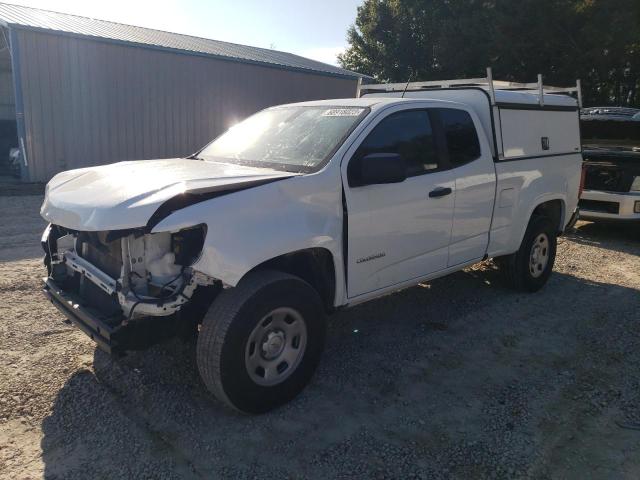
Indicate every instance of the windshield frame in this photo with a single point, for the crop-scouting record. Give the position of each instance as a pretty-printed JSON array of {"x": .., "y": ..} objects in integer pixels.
[{"x": 288, "y": 167}]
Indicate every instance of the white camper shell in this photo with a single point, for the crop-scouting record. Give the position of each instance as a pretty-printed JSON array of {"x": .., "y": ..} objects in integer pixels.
[{"x": 521, "y": 120}]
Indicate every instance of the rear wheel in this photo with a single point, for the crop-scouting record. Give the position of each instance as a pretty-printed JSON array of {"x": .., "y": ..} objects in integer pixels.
[
  {"x": 530, "y": 267},
  {"x": 261, "y": 341}
]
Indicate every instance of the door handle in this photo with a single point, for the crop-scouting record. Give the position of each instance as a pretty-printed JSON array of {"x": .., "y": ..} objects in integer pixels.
[{"x": 440, "y": 192}]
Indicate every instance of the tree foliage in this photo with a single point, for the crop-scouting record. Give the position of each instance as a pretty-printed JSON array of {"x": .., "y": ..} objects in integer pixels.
[{"x": 597, "y": 41}]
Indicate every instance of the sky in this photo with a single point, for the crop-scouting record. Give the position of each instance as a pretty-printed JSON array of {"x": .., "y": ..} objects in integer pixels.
[{"x": 313, "y": 29}]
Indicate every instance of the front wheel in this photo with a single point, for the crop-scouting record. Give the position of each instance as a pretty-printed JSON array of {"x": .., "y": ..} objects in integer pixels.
[
  {"x": 261, "y": 341},
  {"x": 530, "y": 267}
]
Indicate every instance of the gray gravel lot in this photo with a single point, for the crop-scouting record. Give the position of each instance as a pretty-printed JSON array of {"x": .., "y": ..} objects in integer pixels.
[{"x": 460, "y": 378}]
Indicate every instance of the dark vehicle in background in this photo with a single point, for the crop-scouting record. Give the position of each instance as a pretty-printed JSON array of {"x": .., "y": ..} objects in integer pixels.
[{"x": 611, "y": 151}]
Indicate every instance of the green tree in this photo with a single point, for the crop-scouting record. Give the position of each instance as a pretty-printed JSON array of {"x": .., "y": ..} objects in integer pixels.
[{"x": 597, "y": 41}]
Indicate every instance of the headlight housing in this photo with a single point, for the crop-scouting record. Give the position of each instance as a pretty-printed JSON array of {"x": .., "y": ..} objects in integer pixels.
[{"x": 187, "y": 244}]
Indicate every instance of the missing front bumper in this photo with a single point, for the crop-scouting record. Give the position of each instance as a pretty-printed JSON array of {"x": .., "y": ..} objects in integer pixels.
[
  {"x": 136, "y": 335},
  {"x": 69, "y": 304}
]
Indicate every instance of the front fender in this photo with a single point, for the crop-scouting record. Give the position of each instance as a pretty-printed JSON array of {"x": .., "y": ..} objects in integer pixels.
[{"x": 249, "y": 227}]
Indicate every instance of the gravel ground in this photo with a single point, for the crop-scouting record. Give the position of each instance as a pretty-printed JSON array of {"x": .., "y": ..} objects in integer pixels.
[{"x": 460, "y": 378}]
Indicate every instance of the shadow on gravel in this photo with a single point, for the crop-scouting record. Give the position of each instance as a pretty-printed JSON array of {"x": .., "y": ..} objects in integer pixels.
[
  {"x": 458, "y": 378},
  {"x": 619, "y": 236},
  {"x": 21, "y": 227}
]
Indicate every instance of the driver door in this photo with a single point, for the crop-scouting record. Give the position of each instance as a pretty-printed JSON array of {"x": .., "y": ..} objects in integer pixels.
[{"x": 398, "y": 231}]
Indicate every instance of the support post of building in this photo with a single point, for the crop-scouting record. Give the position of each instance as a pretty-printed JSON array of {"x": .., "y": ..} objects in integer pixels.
[{"x": 17, "y": 90}]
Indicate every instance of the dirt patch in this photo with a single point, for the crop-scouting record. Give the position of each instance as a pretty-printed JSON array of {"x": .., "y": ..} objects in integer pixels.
[
  {"x": 15, "y": 188},
  {"x": 458, "y": 378}
]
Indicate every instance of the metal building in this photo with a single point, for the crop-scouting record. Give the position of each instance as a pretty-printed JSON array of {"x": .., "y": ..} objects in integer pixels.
[{"x": 75, "y": 91}]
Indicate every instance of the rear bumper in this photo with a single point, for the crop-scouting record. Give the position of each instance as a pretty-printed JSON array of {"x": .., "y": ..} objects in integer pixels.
[
  {"x": 599, "y": 205},
  {"x": 69, "y": 304}
]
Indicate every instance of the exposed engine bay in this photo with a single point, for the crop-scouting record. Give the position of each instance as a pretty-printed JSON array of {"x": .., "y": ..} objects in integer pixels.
[
  {"x": 124, "y": 286},
  {"x": 611, "y": 171},
  {"x": 126, "y": 274}
]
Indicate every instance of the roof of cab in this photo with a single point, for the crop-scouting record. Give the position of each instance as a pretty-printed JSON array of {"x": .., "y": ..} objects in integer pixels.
[{"x": 366, "y": 101}]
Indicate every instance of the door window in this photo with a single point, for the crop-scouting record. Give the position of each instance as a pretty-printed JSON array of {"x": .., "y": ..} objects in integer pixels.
[
  {"x": 407, "y": 133},
  {"x": 460, "y": 135}
]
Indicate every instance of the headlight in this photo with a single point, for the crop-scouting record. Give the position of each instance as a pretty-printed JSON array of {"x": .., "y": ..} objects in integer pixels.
[{"x": 635, "y": 186}]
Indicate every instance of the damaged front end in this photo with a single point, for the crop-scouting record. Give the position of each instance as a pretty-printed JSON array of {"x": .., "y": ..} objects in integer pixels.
[{"x": 127, "y": 289}]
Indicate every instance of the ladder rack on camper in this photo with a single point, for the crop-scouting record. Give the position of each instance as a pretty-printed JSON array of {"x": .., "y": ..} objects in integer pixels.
[{"x": 487, "y": 82}]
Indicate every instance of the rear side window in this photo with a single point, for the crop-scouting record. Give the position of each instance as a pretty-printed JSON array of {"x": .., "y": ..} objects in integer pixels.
[
  {"x": 460, "y": 135},
  {"x": 407, "y": 133}
]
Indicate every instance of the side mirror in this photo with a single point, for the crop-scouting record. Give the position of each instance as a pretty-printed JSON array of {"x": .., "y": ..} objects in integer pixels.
[{"x": 379, "y": 168}]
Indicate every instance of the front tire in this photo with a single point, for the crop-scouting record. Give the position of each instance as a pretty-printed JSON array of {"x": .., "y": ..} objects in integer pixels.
[
  {"x": 261, "y": 341},
  {"x": 530, "y": 267}
]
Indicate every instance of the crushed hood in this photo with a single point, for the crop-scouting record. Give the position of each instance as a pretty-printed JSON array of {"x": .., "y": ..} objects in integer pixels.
[{"x": 126, "y": 194}]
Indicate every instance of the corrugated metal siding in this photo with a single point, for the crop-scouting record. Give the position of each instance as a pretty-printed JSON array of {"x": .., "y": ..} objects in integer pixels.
[
  {"x": 76, "y": 25},
  {"x": 89, "y": 102},
  {"x": 7, "y": 100}
]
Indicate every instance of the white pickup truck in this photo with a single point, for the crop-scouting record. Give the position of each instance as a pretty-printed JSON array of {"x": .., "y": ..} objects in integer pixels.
[{"x": 305, "y": 208}]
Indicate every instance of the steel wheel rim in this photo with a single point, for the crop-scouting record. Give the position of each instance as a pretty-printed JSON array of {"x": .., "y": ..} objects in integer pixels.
[
  {"x": 276, "y": 346},
  {"x": 539, "y": 256}
]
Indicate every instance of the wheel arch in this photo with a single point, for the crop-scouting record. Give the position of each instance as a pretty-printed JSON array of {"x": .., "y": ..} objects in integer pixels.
[
  {"x": 555, "y": 209},
  {"x": 315, "y": 265},
  {"x": 552, "y": 206},
  {"x": 507, "y": 238}
]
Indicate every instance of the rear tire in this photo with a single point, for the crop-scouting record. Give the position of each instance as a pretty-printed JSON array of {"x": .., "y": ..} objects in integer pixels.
[
  {"x": 529, "y": 268},
  {"x": 261, "y": 341}
]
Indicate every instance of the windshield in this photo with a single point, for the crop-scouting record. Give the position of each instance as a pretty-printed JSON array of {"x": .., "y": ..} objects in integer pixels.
[{"x": 299, "y": 139}]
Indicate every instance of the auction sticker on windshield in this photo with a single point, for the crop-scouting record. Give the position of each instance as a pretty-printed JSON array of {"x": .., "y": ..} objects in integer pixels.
[{"x": 342, "y": 112}]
